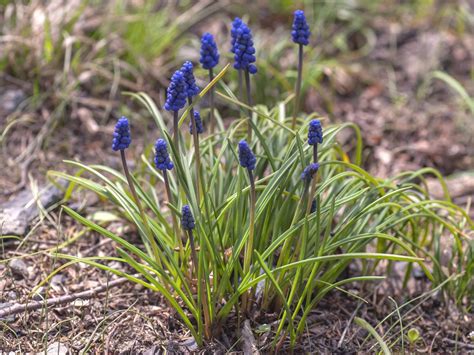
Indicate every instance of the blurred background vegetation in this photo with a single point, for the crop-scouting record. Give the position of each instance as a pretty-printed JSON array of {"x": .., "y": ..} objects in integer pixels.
[{"x": 402, "y": 70}]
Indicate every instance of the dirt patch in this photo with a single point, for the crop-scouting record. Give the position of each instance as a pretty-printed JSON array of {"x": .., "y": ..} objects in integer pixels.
[{"x": 130, "y": 319}]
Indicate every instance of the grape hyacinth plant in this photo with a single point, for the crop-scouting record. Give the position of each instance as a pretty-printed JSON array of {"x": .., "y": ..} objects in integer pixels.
[
  {"x": 176, "y": 96},
  {"x": 163, "y": 162},
  {"x": 233, "y": 33},
  {"x": 209, "y": 58},
  {"x": 198, "y": 123},
  {"x": 309, "y": 172},
  {"x": 244, "y": 59},
  {"x": 248, "y": 161},
  {"x": 277, "y": 242},
  {"x": 300, "y": 34},
  {"x": 121, "y": 141},
  {"x": 315, "y": 137},
  {"x": 192, "y": 90},
  {"x": 188, "y": 224}
]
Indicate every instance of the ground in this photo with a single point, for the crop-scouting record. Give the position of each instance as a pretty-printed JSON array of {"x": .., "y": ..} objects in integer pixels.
[{"x": 408, "y": 119}]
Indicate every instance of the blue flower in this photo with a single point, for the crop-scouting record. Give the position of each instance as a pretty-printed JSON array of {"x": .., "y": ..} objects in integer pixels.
[
  {"x": 242, "y": 47},
  {"x": 300, "y": 30},
  {"x": 309, "y": 172},
  {"x": 122, "y": 138},
  {"x": 199, "y": 125},
  {"x": 209, "y": 53},
  {"x": 191, "y": 88},
  {"x": 177, "y": 92},
  {"x": 313, "y": 206},
  {"x": 233, "y": 32},
  {"x": 246, "y": 157},
  {"x": 315, "y": 132},
  {"x": 162, "y": 157},
  {"x": 187, "y": 219}
]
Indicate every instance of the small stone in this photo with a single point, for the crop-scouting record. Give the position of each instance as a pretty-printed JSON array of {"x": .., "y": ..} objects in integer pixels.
[
  {"x": 10, "y": 99},
  {"x": 18, "y": 268},
  {"x": 190, "y": 344},
  {"x": 57, "y": 279},
  {"x": 56, "y": 348},
  {"x": 17, "y": 215}
]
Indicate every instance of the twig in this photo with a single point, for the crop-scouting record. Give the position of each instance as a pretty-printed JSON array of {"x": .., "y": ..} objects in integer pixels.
[
  {"x": 339, "y": 344},
  {"x": 455, "y": 342},
  {"x": 35, "y": 305}
]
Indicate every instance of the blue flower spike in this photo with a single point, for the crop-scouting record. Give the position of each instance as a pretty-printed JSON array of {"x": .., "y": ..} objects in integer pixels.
[
  {"x": 309, "y": 171},
  {"x": 246, "y": 157},
  {"x": 199, "y": 125},
  {"x": 162, "y": 157},
  {"x": 122, "y": 138},
  {"x": 300, "y": 30},
  {"x": 315, "y": 132},
  {"x": 243, "y": 47},
  {"x": 187, "y": 219},
  {"x": 233, "y": 32},
  {"x": 191, "y": 88},
  {"x": 176, "y": 94},
  {"x": 209, "y": 53}
]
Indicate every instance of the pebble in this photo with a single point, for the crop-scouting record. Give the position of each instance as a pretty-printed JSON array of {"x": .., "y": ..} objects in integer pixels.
[
  {"x": 56, "y": 348},
  {"x": 18, "y": 268}
]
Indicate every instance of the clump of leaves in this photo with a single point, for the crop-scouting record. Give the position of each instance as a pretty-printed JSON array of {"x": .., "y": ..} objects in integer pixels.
[{"x": 298, "y": 255}]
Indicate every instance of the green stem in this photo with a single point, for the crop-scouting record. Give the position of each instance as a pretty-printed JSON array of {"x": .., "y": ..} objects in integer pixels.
[
  {"x": 298, "y": 86},
  {"x": 249, "y": 102},
  {"x": 285, "y": 250},
  {"x": 197, "y": 153},
  {"x": 176, "y": 132},
  {"x": 315, "y": 153},
  {"x": 211, "y": 103},
  {"x": 148, "y": 231},
  {"x": 173, "y": 217},
  {"x": 202, "y": 287},
  {"x": 246, "y": 300},
  {"x": 241, "y": 85}
]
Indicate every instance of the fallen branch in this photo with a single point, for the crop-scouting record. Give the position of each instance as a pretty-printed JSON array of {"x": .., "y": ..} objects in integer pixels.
[{"x": 35, "y": 305}]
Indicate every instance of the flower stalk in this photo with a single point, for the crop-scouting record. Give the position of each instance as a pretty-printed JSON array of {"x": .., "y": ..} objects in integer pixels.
[
  {"x": 120, "y": 142},
  {"x": 209, "y": 59},
  {"x": 249, "y": 102},
  {"x": 300, "y": 35},
  {"x": 248, "y": 161},
  {"x": 163, "y": 162},
  {"x": 197, "y": 152},
  {"x": 247, "y": 299},
  {"x": 188, "y": 224},
  {"x": 169, "y": 196},
  {"x": 151, "y": 238},
  {"x": 298, "y": 86},
  {"x": 211, "y": 103},
  {"x": 176, "y": 131},
  {"x": 192, "y": 90},
  {"x": 176, "y": 95},
  {"x": 244, "y": 56}
]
